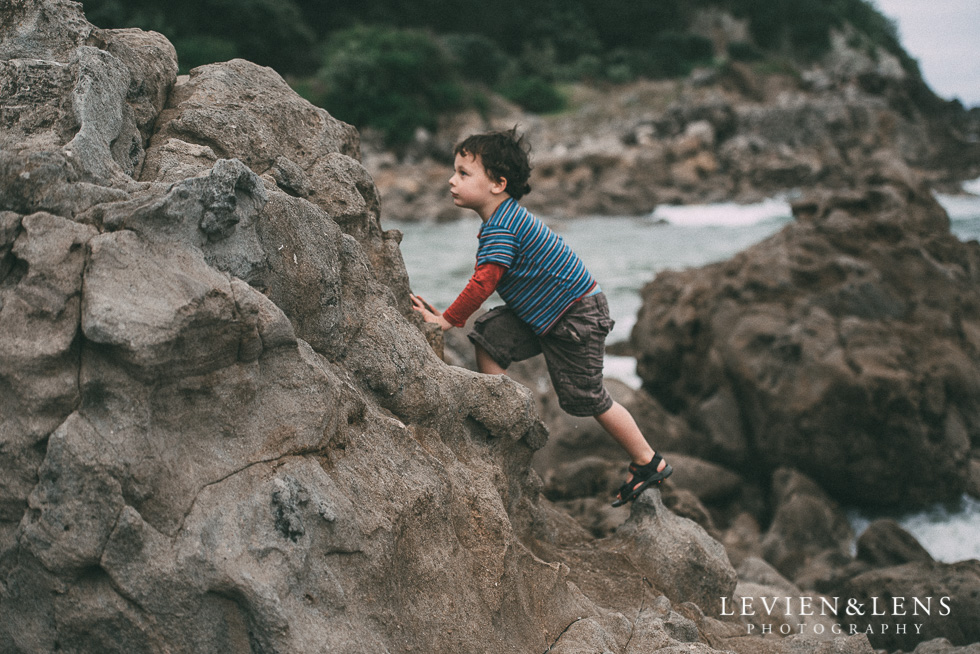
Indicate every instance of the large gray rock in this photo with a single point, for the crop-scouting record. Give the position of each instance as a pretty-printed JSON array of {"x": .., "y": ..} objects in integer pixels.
[
  {"x": 676, "y": 554},
  {"x": 247, "y": 112},
  {"x": 884, "y": 543},
  {"x": 219, "y": 432},
  {"x": 806, "y": 528}
]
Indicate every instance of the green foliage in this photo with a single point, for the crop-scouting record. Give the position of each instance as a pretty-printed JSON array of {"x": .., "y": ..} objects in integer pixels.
[
  {"x": 745, "y": 51},
  {"x": 534, "y": 94},
  {"x": 395, "y": 80},
  {"x": 269, "y": 32},
  {"x": 198, "y": 50},
  {"x": 800, "y": 25},
  {"x": 675, "y": 53},
  {"x": 477, "y": 58}
]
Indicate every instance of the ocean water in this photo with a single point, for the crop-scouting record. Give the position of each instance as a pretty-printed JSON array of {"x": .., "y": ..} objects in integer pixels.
[{"x": 624, "y": 253}]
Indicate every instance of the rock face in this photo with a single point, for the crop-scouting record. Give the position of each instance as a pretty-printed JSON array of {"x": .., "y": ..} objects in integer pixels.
[
  {"x": 846, "y": 347},
  {"x": 221, "y": 428}
]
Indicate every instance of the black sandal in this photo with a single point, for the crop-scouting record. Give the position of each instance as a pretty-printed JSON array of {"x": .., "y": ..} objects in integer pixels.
[{"x": 643, "y": 477}]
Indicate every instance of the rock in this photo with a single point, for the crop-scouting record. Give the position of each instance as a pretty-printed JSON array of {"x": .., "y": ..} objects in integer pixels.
[
  {"x": 764, "y": 597},
  {"x": 675, "y": 554},
  {"x": 839, "y": 346},
  {"x": 941, "y": 600},
  {"x": 247, "y": 112},
  {"x": 943, "y": 646},
  {"x": 884, "y": 543},
  {"x": 743, "y": 538},
  {"x": 806, "y": 525}
]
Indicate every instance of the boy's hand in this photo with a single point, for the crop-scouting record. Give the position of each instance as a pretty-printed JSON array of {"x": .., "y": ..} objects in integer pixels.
[{"x": 429, "y": 313}]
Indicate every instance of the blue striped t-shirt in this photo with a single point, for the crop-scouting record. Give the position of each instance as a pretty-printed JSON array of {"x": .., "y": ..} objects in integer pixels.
[{"x": 544, "y": 277}]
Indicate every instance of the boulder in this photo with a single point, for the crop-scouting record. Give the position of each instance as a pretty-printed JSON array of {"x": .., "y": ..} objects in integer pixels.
[
  {"x": 934, "y": 600},
  {"x": 675, "y": 554},
  {"x": 943, "y": 646},
  {"x": 219, "y": 431},
  {"x": 765, "y": 601},
  {"x": 247, "y": 112},
  {"x": 884, "y": 544},
  {"x": 806, "y": 524},
  {"x": 844, "y": 346}
]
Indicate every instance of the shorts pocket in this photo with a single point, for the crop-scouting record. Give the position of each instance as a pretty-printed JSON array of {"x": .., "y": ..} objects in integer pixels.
[{"x": 581, "y": 394}]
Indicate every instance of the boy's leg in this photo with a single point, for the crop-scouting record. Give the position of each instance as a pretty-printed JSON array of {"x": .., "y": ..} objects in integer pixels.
[
  {"x": 500, "y": 339},
  {"x": 485, "y": 362},
  {"x": 618, "y": 422},
  {"x": 574, "y": 349}
]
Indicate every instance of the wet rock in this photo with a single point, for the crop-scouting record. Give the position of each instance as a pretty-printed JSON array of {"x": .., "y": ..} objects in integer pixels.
[
  {"x": 806, "y": 526},
  {"x": 941, "y": 600},
  {"x": 884, "y": 543},
  {"x": 840, "y": 346},
  {"x": 943, "y": 646}
]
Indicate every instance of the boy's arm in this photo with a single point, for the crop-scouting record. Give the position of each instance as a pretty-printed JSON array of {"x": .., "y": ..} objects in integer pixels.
[{"x": 481, "y": 286}]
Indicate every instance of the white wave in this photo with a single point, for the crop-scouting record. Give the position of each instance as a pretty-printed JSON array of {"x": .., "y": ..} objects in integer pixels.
[
  {"x": 972, "y": 186},
  {"x": 964, "y": 206},
  {"x": 623, "y": 369},
  {"x": 948, "y": 533},
  {"x": 724, "y": 214}
]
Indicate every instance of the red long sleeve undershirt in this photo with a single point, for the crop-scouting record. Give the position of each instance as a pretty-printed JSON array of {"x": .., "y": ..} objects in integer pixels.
[{"x": 481, "y": 286}]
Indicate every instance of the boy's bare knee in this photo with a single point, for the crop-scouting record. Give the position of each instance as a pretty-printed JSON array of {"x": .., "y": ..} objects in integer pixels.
[{"x": 485, "y": 363}]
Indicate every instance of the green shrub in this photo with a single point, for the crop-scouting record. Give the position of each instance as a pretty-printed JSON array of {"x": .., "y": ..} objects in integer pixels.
[
  {"x": 395, "y": 80},
  {"x": 534, "y": 94},
  {"x": 744, "y": 51},
  {"x": 476, "y": 57},
  {"x": 672, "y": 54},
  {"x": 194, "y": 51}
]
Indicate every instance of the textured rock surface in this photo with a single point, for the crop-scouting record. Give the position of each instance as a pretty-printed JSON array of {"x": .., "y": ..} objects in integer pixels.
[{"x": 948, "y": 603}]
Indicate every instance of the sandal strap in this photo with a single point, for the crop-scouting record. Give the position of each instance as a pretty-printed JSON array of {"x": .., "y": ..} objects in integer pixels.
[{"x": 649, "y": 467}]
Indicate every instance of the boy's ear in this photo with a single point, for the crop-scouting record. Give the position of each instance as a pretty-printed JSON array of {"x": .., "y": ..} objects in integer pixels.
[{"x": 500, "y": 186}]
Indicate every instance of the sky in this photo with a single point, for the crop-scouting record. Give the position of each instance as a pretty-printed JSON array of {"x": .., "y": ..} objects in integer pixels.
[{"x": 944, "y": 36}]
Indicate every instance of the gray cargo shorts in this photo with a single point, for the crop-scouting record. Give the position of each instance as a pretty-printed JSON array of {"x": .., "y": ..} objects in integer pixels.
[{"x": 573, "y": 349}]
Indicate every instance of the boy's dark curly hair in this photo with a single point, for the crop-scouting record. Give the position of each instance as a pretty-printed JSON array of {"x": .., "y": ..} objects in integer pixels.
[{"x": 505, "y": 154}]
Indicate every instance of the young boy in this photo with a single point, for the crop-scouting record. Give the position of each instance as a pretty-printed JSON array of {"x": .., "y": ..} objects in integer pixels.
[{"x": 553, "y": 305}]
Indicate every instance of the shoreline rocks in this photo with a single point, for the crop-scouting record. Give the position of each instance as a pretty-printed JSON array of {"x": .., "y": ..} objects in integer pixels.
[
  {"x": 842, "y": 346},
  {"x": 744, "y": 136}
]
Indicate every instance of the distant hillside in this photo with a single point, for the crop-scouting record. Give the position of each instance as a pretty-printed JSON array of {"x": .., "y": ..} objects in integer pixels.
[{"x": 398, "y": 66}]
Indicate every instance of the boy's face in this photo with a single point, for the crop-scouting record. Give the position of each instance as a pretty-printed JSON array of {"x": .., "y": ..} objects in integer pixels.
[{"x": 472, "y": 188}]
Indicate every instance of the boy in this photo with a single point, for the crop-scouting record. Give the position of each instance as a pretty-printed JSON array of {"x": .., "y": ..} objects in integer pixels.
[{"x": 553, "y": 305}]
